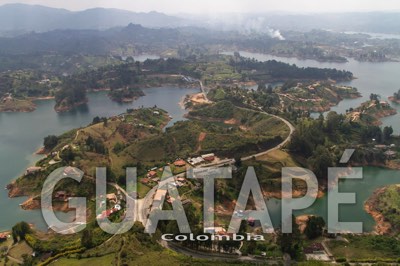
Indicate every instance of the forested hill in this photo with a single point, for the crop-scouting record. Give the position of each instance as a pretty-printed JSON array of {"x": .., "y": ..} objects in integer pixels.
[{"x": 273, "y": 69}]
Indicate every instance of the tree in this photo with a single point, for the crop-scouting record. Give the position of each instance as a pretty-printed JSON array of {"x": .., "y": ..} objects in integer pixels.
[
  {"x": 397, "y": 95},
  {"x": 118, "y": 147},
  {"x": 291, "y": 243},
  {"x": 67, "y": 155},
  {"x": 269, "y": 88},
  {"x": 96, "y": 120},
  {"x": 315, "y": 226},
  {"x": 50, "y": 142},
  {"x": 238, "y": 161},
  {"x": 87, "y": 238},
  {"x": 387, "y": 132},
  {"x": 320, "y": 161},
  {"x": 333, "y": 121},
  {"x": 20, "y": 230},
  {"x": 374, "y": 97},
  {"x": 261, "y": 87},
  {"x": 105, "y": 122},
  {"x": 27, "y": 260}
]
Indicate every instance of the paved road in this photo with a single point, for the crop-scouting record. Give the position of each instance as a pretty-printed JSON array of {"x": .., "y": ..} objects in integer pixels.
[
  {"x": 282, "y": 144},
  {"x": 143, "y": 205}
]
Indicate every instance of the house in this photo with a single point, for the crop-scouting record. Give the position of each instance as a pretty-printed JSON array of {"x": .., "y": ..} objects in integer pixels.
[
  {"x": 107, "y": 213},
  {"x": 145, "y": 181},
  {"x": 196, "y": 161},
  {"x": 380, "y": 147},
  {"x": 384, "y": 103},
  {"x": 33, "y": 170},
  {"x": 181, "y": 179},
  {"x": 180, "y": 163},
  {"x": 214, "y": 230},
  {"x": 391, "y": 154},
  {"x": 159, "y": 194},
  {"x": 208, "y": 157},
  {"x": 157, "y": 200},
  {"x": 316, "y": 251},
  {"x": 314, "y": 248},
  {"x": 152, "y": 174},
  {"x": 71, "y": 171},
  {"x": 170, "y": 199},
  {"x": 3, "y": 237}
]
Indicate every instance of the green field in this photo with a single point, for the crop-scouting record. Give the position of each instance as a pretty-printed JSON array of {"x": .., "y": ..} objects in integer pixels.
[{"x": 366, "y": 247}]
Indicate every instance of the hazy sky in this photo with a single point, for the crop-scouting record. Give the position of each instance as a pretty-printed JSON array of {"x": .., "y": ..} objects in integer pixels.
[{"x": 217, "y": 6}]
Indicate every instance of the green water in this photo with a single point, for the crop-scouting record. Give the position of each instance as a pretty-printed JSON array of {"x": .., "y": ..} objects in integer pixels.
[
  {"x": 373, "y": 178},
  {"x": 21, "y": 134}
]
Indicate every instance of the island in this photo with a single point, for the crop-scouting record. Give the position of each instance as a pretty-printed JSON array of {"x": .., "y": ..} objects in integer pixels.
[
  {"x": 371, "y": 112},
  {"x": 395, "y": 98}
]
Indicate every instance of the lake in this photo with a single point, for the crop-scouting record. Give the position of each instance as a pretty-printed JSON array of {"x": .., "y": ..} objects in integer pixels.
[
  {"x": 21, "y": 134},
  {"x": 380, "y": 78}
]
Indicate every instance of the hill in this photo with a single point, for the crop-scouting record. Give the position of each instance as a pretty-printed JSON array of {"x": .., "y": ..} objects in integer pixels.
[{"x": 40, "y": 18}]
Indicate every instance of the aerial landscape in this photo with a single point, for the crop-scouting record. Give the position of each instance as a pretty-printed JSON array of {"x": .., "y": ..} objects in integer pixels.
[{"x": 232, "y": 132}]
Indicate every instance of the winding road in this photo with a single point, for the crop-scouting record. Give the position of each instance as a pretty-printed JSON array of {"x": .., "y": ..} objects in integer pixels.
[
  {"x": 143, "y": 205},
  {"x": 282, "y": 144}
]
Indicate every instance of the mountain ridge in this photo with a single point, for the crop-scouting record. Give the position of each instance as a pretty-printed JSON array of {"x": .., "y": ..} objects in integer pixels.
[{"x": 23, "y": 18}]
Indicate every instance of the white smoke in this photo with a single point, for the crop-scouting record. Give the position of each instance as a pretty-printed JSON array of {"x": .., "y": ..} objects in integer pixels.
[
  {"x": 244, "y": 24},
  {"x": 276, "y": 34},
  {"x": 258, "y": 25}
]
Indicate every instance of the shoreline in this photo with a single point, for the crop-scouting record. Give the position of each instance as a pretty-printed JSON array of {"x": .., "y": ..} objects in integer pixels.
[
  {"x": 381, "y": 227},
  {"x": 254, "y": 51},
  {"x": 295, "y": 193},
  {"x": 394, "y": 100}
]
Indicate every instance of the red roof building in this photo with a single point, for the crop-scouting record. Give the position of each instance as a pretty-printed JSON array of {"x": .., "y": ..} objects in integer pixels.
[
  {"x": 152, "y": 174},
  {"x": 145, "y": 180},
  {"x": 179, "y": 163},
  {"x": 209, "y": 157}
]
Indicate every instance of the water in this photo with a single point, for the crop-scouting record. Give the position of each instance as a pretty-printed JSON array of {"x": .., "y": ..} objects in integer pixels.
[
  {"x": 373, "y": 178},
  {"x": 382, "y": 36},
  {"x": 144, "y": 57},
  {"x": 21, "y": 134},
  {"x": 380, "y": 78}
]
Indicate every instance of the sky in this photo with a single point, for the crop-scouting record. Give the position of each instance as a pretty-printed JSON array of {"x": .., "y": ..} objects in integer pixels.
[{"x": 222, "y": 6}]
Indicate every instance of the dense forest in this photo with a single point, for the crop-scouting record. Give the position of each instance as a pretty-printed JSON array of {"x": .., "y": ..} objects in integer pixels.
[
  {"x": 322, "y": 141},
  {"x": 274, "y": 70}
]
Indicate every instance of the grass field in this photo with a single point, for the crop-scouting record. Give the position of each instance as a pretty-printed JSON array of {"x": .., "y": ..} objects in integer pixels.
[
  {"x": 366, "y": 247},
  {"x": 20, "y": 249},
  {"x": 17, "y": 106},
  {"x": 98, "y": 261},
  {"x": 277, "y": 159},
  {"x": 3, "y": 249}
]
